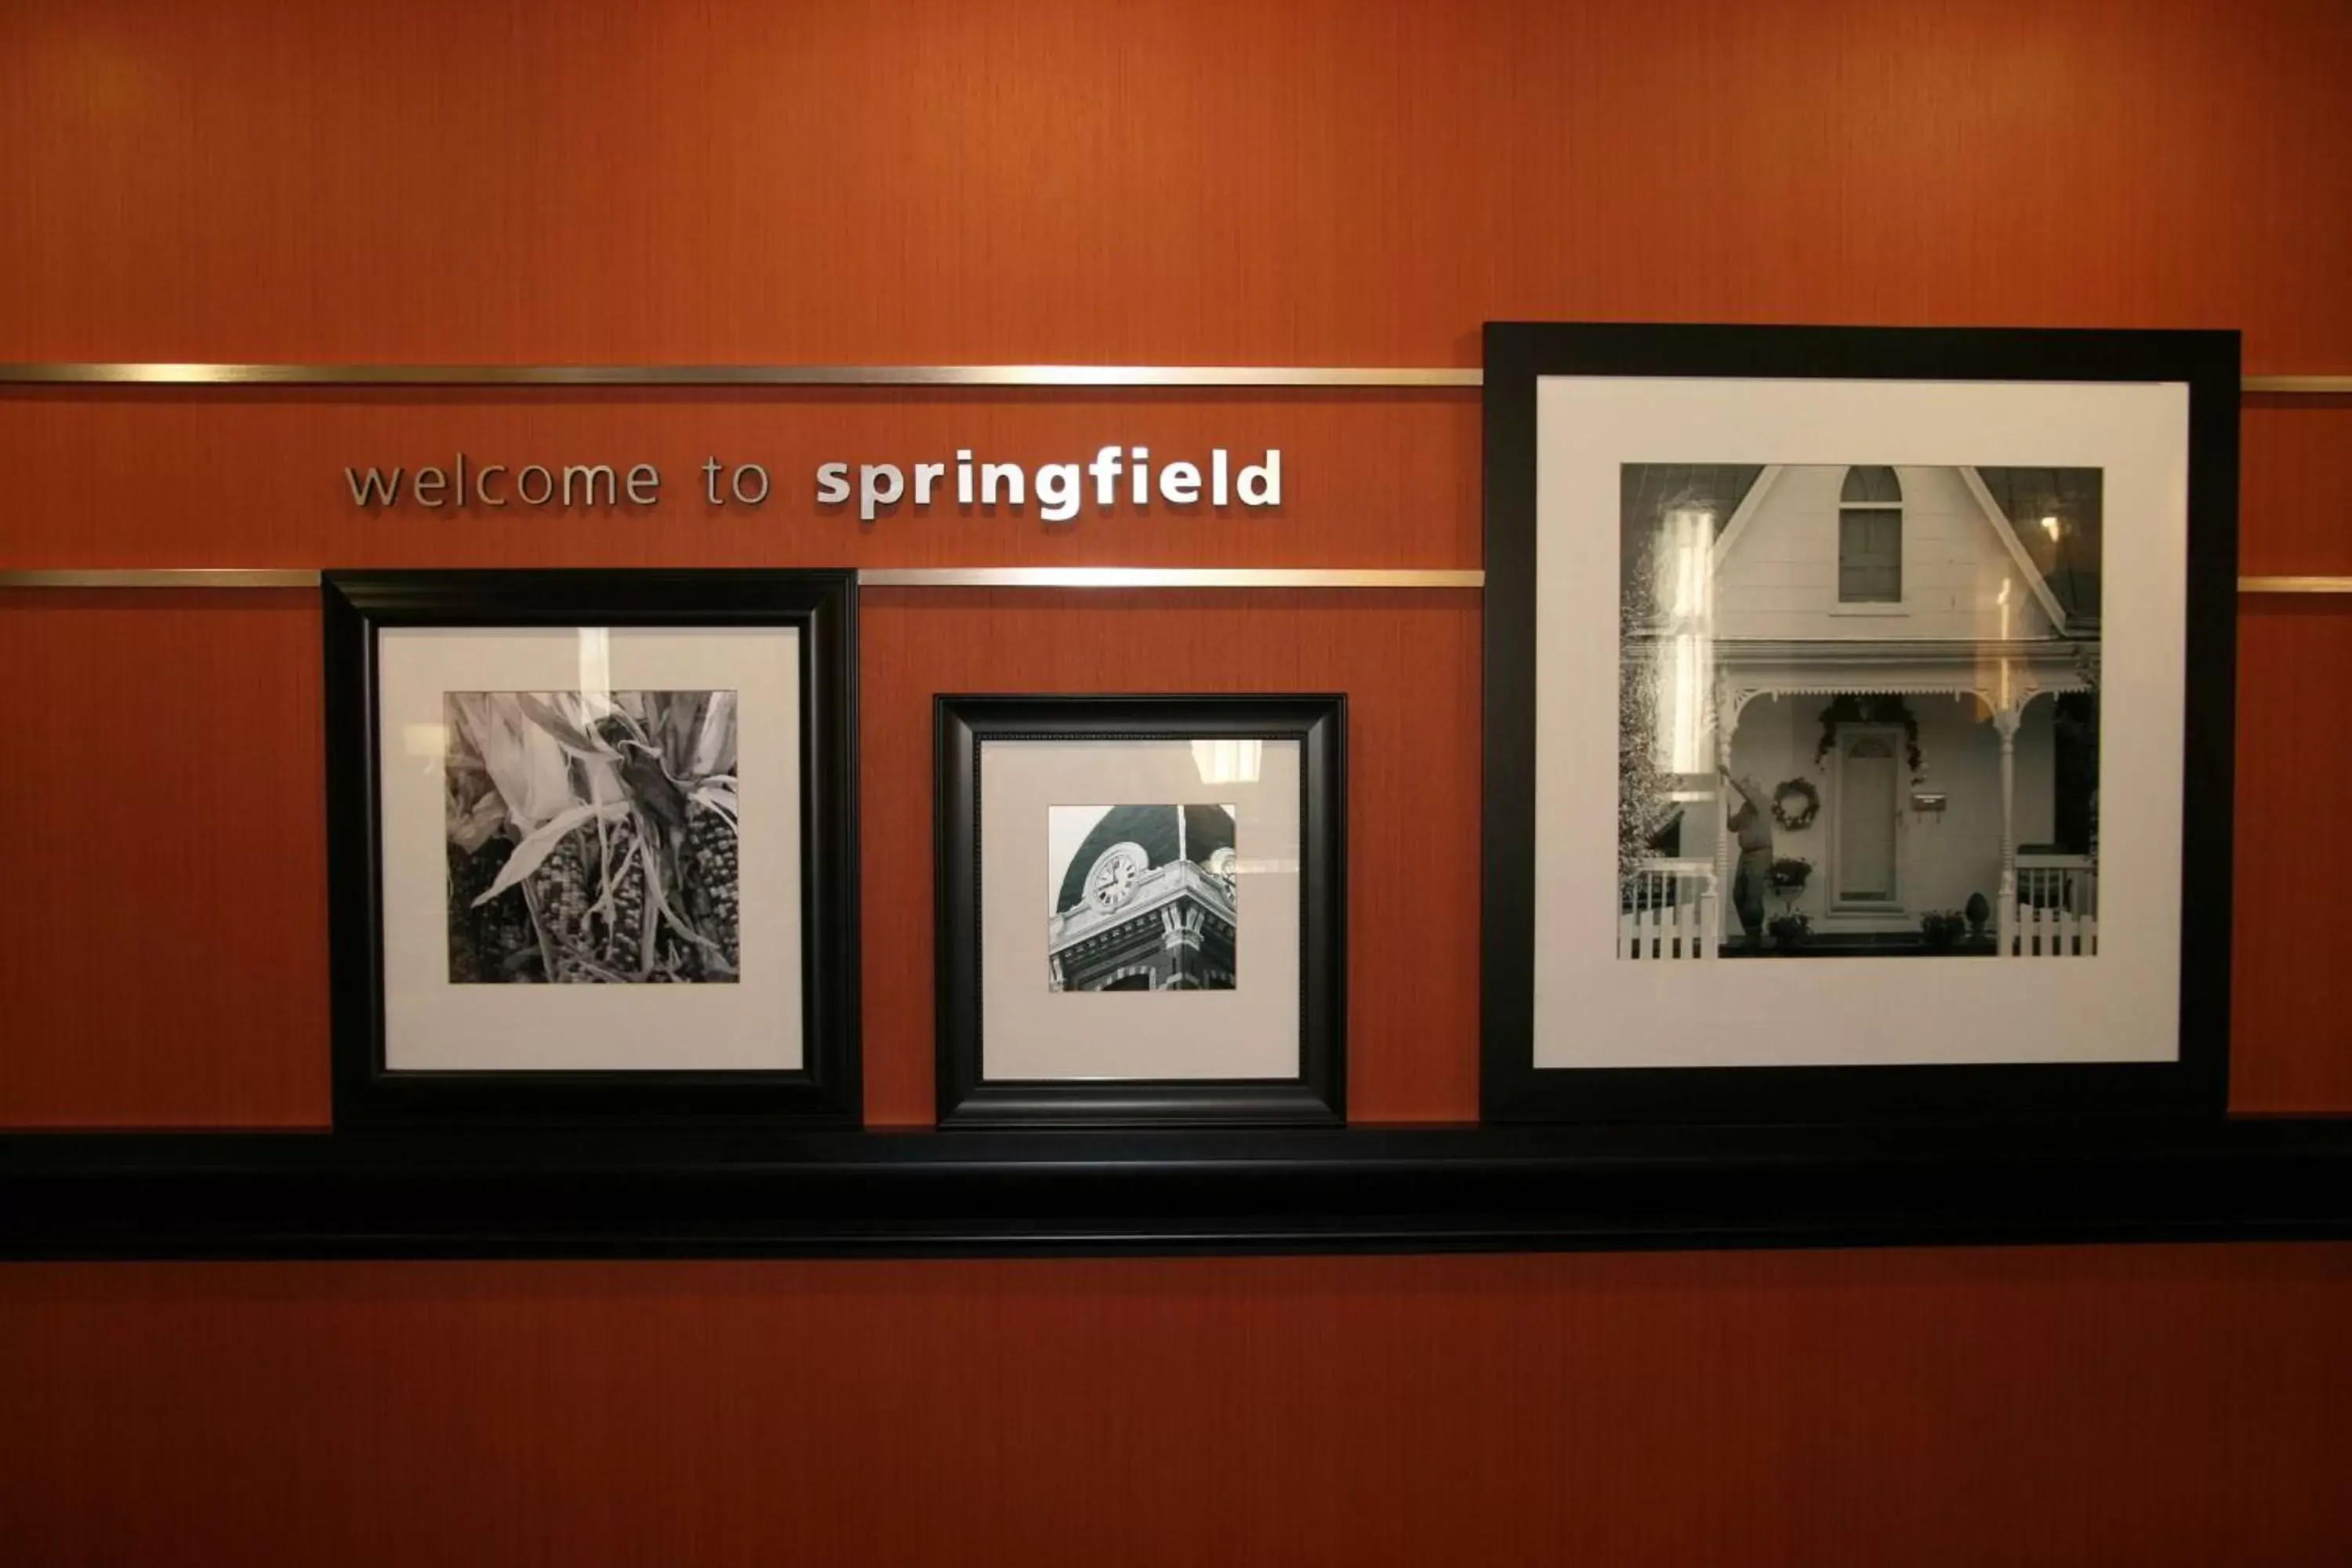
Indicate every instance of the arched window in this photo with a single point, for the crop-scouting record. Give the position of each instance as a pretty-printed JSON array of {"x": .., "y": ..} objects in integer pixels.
[{"x": 1870, "y": 538}]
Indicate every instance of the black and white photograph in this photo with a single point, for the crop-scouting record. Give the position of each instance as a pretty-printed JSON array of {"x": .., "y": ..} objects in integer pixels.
[
  {"x": 1858, "y": 733},
  {"x": 1141, "y": 829},
  {"x": 1858, "y": 711},
  {"x": 1143, "y": 898},
  {"x": 593, "y": 842},
  {"x": 592, "y": 837}
]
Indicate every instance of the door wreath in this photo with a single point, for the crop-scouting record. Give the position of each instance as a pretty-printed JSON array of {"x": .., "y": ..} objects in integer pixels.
[{"x": 1795, "y": 804}]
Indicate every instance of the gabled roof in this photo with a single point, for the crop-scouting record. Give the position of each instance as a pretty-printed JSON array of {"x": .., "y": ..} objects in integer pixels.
[{"x": 2059, "y": 559}]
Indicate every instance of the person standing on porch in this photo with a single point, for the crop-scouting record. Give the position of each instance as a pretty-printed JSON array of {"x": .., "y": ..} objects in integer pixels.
[{"x": 1752, "y": 824}]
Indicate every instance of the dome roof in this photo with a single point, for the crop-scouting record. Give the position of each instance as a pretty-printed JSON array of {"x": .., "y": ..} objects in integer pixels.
[{"x": 1205, "y": 829}]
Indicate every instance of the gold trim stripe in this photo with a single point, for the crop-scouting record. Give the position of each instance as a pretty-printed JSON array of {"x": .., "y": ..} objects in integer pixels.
[
  {"x": 529, "y": 375},
  {"x": 977, "y": 577},
  {"x": 1161, "y": 577},
  {"x": 871, "y": 577},
  {"x": 2295, "y": 584},
  {"x": 29, "y": 374},
  {"x": 2298, "y": 386},
  {"x": 166, "y": 577}
]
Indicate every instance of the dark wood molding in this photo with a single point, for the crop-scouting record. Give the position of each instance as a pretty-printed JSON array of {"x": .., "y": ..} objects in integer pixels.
[{"x": 713, "y": 1192}]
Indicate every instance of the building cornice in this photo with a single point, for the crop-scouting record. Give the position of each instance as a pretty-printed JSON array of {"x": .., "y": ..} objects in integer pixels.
[{"x": 1156, "y": 888}]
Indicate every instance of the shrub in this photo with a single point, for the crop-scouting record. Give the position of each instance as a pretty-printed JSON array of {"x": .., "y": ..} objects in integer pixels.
[
  {"x": 1942, "y": 929},
  {"x": 1789, "y": 932}
]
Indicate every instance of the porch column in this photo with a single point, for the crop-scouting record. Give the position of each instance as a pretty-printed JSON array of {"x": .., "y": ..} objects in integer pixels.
[
  {"x": 1726, "y": 715},
  {"x": 2005, "y": 721}
]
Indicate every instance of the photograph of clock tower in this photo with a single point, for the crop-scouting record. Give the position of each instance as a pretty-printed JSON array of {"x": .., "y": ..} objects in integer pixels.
[{"x": 1142, "y": 898}]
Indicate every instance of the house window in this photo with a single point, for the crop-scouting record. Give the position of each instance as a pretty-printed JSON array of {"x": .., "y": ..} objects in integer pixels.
[{"x": 1870, "y": 538}]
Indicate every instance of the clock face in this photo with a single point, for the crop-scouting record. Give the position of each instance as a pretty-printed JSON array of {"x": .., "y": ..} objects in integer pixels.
[{"x": 1112, "y": 881}]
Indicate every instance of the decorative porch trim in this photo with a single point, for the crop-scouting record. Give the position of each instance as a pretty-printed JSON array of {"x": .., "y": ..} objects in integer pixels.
[{"x": 2000, "y": 674}]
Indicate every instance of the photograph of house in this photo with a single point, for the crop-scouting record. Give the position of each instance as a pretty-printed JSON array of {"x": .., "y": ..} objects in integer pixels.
[{"x": 1858, "y": 711}]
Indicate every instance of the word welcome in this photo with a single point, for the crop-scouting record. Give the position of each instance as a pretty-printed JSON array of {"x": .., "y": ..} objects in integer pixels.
[
  {"x": 583, "y": 484},
  {"x": 1060, "y": 490}
]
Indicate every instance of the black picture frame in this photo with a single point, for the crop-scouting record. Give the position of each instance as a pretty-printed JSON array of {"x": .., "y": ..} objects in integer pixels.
[
  {"x": 822, "y": 605},
  {"x": 2195, "y": 1083},
  {"x": 1317, "y": 723}
]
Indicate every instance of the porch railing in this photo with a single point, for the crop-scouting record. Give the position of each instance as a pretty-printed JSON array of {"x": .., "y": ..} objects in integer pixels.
[
  {"x": 1667, "y": 909},
  {"x": 2057, "y": 909}
]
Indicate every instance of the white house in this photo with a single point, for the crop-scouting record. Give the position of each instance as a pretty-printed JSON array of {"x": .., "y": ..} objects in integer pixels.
[{"x": 1897, "y": 638}]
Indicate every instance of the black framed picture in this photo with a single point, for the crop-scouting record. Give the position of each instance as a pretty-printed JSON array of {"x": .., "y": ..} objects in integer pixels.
[
  {"x": 1858, "y": 733},
  {"x": 592, "y": 845},
  {"x": 1141, "y": 909}
]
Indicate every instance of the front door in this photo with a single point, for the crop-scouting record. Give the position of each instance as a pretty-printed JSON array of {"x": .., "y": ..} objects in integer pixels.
[{"x": 1869, "y": 809}]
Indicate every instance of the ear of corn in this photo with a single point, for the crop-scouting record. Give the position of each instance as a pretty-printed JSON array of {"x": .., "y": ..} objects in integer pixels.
[
  {"x": 715, "y": 890},
  {"x": 483, "y": 938}
]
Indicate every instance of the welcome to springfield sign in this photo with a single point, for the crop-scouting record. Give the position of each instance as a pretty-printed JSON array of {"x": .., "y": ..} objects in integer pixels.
[{"x": 1060, "y": 490}]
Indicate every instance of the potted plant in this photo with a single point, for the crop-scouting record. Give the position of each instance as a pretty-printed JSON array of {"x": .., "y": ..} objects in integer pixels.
[
  {"x": 1789, "y": 932},
  {"x": 1941, "y": 930},
  {"x": 1979, "y": 912},
  {"x": 1789, "y": 876}
]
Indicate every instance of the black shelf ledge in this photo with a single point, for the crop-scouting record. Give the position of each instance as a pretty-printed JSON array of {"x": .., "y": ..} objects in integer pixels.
[{"x": 751, "y": 1192}]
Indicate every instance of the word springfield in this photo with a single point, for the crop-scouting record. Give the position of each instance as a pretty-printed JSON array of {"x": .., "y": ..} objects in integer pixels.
[{"x": 1058, "y": 491}]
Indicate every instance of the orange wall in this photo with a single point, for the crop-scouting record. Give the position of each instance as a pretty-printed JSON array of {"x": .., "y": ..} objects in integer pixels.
[
  {"x": 1357, "y": 182},
  {"x": 2132, "y": 1405},
  {"x": 1353, "y": 181}
]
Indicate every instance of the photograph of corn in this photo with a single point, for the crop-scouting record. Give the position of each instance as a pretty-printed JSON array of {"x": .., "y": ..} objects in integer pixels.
[{"x": 592, "y": 838}]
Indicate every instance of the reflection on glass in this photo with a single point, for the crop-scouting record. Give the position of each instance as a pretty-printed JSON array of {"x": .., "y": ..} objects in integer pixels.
[
  {"x": 1228, "y": 762},
  {"x": 597, "y": 668},
  {"x": 1689, "y": 536}
]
